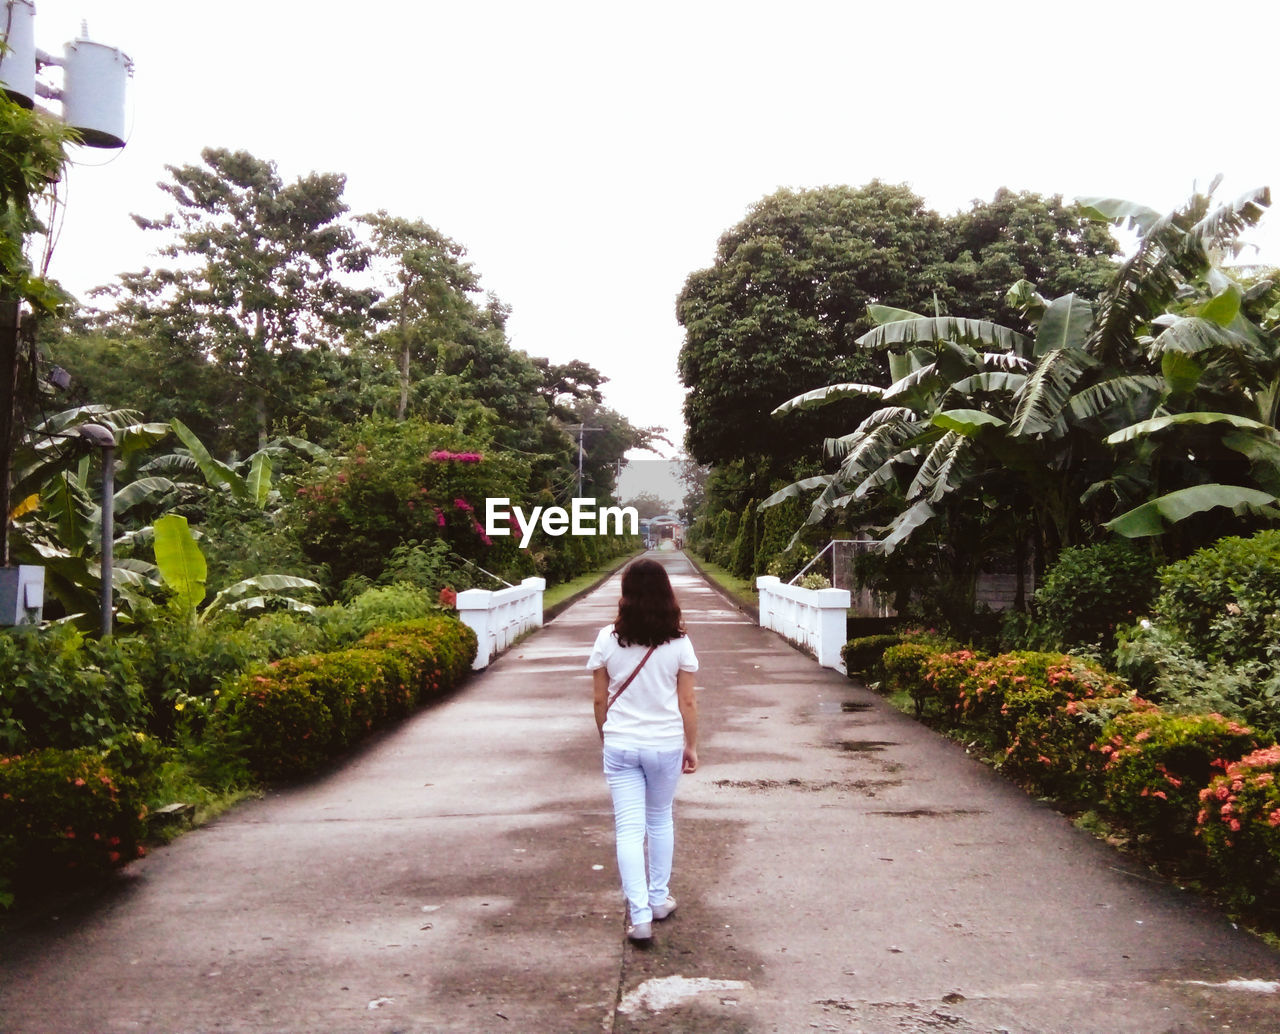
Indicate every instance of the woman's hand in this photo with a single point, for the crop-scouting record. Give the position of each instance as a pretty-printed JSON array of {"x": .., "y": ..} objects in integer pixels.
[{"x": 690, "y": 763}]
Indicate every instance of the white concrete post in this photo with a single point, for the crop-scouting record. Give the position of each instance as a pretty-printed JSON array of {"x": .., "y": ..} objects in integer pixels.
[
  {"x": 500, "y": 618},
  {"x": 813, "y": 619}
]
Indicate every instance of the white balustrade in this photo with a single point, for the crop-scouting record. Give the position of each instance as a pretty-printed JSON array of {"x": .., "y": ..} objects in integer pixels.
[
  {"x": 813, "y": 619},
  {"x": 500, "y": 617}
]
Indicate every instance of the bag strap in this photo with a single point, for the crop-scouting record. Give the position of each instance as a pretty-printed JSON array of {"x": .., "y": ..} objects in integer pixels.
[{"x": 618, "y": 693}]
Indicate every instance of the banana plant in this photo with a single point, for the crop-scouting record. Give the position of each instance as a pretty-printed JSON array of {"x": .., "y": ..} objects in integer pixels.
[
  {"x": 182, "y": 568},
  {"x": 977, "y": 414}
]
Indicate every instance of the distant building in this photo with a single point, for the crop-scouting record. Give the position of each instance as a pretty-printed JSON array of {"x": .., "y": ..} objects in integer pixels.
[{"x": 662, "y": 529}]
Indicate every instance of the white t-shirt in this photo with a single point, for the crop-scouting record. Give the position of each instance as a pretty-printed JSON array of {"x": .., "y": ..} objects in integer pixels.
[{"x": 647, "y": 714}]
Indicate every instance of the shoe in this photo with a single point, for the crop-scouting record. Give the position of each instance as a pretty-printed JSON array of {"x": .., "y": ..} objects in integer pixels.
[
  {"x": 640, "y": 932},
  {"x": 665, "y": 909}
]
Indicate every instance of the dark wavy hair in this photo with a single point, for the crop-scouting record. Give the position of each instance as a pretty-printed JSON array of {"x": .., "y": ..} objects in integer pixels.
[{"x": 648, "y": 614}]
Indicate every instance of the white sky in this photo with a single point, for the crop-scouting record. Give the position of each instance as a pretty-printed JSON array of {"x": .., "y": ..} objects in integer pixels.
[{"x": 589, "y": 155}]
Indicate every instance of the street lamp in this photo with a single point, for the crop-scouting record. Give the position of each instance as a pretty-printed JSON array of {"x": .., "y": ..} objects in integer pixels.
[
  {"x": 92, "y": 96},
  {"x": 104, "y": 438}
]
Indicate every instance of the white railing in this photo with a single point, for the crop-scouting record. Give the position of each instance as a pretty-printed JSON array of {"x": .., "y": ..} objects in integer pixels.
[
  {"x": 500, "y": 618},
  {"x": 813, "y": 619}
]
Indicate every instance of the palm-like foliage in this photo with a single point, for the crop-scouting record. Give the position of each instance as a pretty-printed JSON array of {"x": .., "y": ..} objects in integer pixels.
[{"x": 981, "y": 417}]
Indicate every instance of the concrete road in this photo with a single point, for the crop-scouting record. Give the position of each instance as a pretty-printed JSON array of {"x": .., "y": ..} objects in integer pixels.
[{"x": 838, "y": 867}]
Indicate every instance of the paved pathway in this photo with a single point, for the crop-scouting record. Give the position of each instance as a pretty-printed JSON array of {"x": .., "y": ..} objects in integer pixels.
[{"x": 839, "y": 868}]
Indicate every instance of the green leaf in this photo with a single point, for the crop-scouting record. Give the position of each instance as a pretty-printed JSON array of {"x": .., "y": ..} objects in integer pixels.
[
  {"x": 1066, "y": 324},
  {"x": 968, "y": 422},
  {"x": 1151, "y": 518},
  {"x": 259, "y": 483},
  {"x": 888, "y": 314},
  {"x": 215, "y": 472},
  {"x": 1160, "y": 423},
  {"x": 1115, "y": 210},
  {"x": 1223, "y": 308},
  {"x": 178, "y": 556},
  {"x": 937, "y": 329},
  {"x": 821, "y": 396},
  {"x": 795, "y": 490},
  {"x": 142, "y": 491},
  {"x": 1181, "y": 372}
]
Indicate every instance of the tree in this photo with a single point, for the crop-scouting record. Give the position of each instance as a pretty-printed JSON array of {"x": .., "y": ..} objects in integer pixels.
[
  {"x": 32, "y": 158},
  {"x": 781, "y": 309},
  {"x": 432, "y": 283},
  {"x": 1023, "y": 236},
  {"x": 982, "y": 424},
  {"x": 785, "y": 300},
  {"x": 257, "y": 283}
]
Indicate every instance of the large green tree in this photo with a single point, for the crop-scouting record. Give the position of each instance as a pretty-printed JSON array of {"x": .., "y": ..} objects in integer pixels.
[
  {"x": 782, "y": 307},
  {"x": 258, "y": 285},
  {"x": 784, "y": 301},
  {"x": 983, "y": 427}
]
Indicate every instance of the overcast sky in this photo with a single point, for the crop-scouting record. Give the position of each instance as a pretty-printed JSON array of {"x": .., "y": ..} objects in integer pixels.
[{"x": 588, "y": 155}]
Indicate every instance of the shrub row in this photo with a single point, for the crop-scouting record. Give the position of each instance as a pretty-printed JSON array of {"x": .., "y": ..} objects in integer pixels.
[
  {"x": 1060, "y": 726},
  {"x": 290, "y": 717},
  {"x": 69, "y": 815}
]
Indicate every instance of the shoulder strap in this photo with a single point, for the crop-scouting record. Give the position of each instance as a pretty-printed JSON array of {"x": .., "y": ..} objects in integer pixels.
[{"x": 619, "y": 690}]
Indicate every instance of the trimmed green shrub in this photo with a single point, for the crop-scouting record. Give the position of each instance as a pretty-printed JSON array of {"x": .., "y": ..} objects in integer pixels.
[
  {"x": 65, "y": 818},
  {"x": 439, "y": 651},
  {"x": 291, "y": 717},
  {"x": 742, "y": 560},
  {"x": 1090, "y": 591},
  {"x": 282, "y": 728},
  {"x": 903, "y": 668},
  {"x": 862, "y": 656},
  {"x": 60, "y": 689},
  {"x": 778, "y": 525},
  {"x": 1155, "y": 764},
  {"x": 1239, "y": 823}
]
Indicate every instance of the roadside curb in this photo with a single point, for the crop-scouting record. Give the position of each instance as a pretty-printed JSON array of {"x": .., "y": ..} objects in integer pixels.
[{"x": 746, "y": 608}]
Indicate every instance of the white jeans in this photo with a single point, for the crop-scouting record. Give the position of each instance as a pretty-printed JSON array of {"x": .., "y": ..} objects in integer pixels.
[{"x": 643, "y": 785}]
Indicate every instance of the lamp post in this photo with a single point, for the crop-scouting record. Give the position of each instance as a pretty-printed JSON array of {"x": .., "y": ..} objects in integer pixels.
[
  {"x": 105, "y": 439},
  {"x": 92, "y": 97}
]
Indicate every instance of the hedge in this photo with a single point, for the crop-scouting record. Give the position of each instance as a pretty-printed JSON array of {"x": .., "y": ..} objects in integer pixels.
[
  {"x": 1063, "y": 727},
  {"x": 294, "y": 715}
]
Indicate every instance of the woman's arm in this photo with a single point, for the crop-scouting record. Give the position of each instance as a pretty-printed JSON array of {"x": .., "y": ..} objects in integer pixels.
[
  {"x": 600, "y": 688},
  {"x": 688, "y": 704}
]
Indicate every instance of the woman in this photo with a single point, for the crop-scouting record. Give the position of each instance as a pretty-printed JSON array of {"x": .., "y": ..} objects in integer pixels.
[{"x": 642, "y": 668}]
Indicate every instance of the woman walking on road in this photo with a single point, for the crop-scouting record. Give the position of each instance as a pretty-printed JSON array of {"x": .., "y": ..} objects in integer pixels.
[{"x": 642, "y": 670}]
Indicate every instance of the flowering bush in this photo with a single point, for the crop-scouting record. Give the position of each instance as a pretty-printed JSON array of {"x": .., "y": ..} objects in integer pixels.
[
  {"x": 401, "y": 482},
  {"x": 280, "y": 727},
  {"x": 1046, "y": 720},
  {"x": 1155, "y": 764},
  {"x": 944, "y": 690},
  {"x": 1239, "y": 822},
  {"x": 65, "y": 817}
]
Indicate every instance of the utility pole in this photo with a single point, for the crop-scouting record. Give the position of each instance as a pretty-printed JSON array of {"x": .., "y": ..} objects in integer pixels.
[
  {"x": 92, "y": 97},
  {"x": 581, "y": 429}
]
